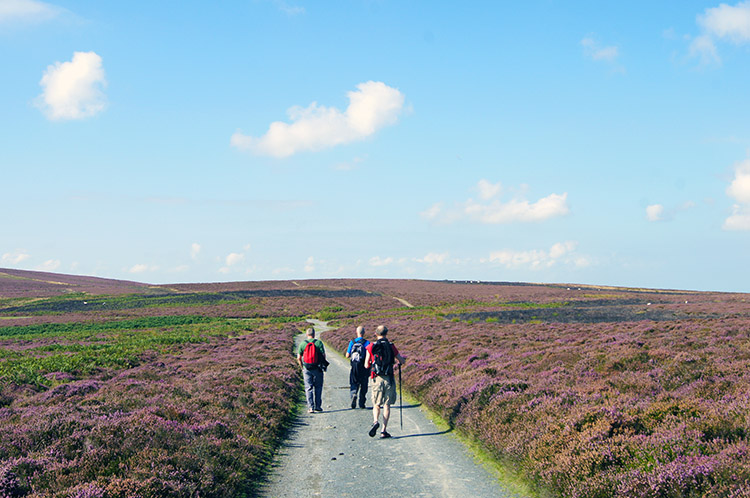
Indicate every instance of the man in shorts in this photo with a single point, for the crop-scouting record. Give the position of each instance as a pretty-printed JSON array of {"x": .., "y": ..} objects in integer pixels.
[{"x": 381, "y": 358}]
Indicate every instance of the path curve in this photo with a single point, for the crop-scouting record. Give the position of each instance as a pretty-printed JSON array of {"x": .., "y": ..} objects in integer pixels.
[
  {"x": 330, "y": 453},
  {"x": 403, "y": 301}
]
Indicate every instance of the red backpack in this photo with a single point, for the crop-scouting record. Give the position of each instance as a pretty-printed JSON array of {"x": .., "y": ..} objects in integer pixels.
[{"x": 310, "y": 356}]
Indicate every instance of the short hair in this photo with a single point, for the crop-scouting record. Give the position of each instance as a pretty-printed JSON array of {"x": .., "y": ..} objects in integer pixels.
[
  {"x": 311, "y": 332},
  {"x": 360, "y": 331},
  {"x": 382, "y": 330}
]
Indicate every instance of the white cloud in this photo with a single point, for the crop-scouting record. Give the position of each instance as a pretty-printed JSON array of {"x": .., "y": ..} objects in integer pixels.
[
  {"x": 727, "y": 22},
  {"x": 518, "y": 210},
  {"x": 593, "y": 50},
  {"x": 433, "y": 258},
  {"x": 432, "y": 212},
  {"x": 739, "y": 219},
  {"x": 704, "y": 48},
  {"x": 234, "y": 258},
  {"x": 488, "y": 190},
  {"x": 13, "y": 11},
  {"x": 350, "y": 165},
  {"x": 14, "y": 258},
  {"x": 289, "y": 9},
  {"x": 73, "y": 90},
  {"x": 140, "y": 268},
  {"x": 655, "y": 212},
  {"x": 195, "y": 250},
  {"x": 283, "y": 271},
  {"x": 536, "y": 259},
  {"x": 739, "y": 190},
  {"x": 310, "y": 264},
  {"x": 378, "y": 261},
  {"x": 373, "y": 106},
  {"x": 49, "y": 265},
  {"x": 495, "y": 211}
]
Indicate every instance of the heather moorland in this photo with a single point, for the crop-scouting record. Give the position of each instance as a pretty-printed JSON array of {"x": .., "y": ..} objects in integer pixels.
[{"x": 114, "y": 389}]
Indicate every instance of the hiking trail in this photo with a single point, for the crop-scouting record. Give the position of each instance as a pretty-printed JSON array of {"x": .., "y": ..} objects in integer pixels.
[{"x": 330, "y": 454}]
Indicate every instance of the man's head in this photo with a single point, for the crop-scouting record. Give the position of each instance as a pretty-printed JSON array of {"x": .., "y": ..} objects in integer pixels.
[
  {"x": 381, "y": 331},
  {"x": 311, "y": 332},
  {"x": 360, "y": 331}
]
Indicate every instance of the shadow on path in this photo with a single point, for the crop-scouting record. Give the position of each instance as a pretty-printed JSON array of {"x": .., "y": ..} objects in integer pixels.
[{"x": 446, "y": 431}]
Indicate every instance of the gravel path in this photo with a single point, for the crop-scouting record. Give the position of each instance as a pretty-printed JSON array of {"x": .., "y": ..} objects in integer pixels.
[{"x": 330, "y": 453}]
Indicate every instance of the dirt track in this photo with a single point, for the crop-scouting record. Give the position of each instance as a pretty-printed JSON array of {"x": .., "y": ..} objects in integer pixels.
[{"x": 330, "y": 453}]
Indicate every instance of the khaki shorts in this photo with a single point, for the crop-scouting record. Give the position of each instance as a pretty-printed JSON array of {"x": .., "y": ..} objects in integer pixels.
[{"x": 383, "y": 391}]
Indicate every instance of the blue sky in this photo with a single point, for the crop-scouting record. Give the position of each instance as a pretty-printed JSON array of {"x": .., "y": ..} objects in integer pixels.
[{"x": 570, "y": 142}]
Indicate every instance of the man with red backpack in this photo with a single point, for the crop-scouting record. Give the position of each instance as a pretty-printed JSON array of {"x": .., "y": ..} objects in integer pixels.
[
  {"x": 381, "y": 357},
  {"x": 311, "y": 356}
]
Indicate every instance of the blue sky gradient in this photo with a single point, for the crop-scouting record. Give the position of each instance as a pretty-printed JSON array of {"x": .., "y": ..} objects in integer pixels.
[{"x": 569, "y": 142}]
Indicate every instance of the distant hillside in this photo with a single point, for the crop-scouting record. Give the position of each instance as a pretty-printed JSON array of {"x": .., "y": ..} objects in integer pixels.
[{"x": 23, "y": 283}]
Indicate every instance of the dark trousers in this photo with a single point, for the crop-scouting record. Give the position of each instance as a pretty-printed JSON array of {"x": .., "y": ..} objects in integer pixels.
[{"x": 359, "y": 376}]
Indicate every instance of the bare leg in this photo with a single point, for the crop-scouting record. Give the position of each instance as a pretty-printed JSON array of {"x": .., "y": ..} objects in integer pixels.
[{"x": 386, "y": 415}]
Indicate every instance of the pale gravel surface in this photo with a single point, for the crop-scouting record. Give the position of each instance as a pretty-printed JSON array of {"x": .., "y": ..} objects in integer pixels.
[{"x": 330, "y": 454}]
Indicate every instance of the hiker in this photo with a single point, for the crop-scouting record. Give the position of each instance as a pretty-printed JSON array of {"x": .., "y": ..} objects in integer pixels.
[
  {"x": 381, "y": 356},
  {"x": 358, "y": 375},
  {"x": 311, "y": 356}
]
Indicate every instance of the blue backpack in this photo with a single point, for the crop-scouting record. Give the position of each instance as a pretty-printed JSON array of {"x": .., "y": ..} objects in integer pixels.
[{"x": 357, "y": 354}]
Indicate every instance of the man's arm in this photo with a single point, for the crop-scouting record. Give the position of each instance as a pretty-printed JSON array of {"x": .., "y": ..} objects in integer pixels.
[
  {"x": 368, "y": 358},
  {"x": 321, "y": 347},
  {"x": 401, "y": 359}
]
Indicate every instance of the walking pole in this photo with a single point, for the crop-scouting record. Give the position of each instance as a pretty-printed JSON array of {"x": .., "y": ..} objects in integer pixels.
[{"x": 401, "y": 399}]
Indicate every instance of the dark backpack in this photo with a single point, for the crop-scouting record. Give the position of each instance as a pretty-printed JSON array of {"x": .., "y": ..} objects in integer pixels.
[
  {"x": 357, "y": 355},
  {"x": 382, "y": 361},
  {"x": 310, "y": 356}
]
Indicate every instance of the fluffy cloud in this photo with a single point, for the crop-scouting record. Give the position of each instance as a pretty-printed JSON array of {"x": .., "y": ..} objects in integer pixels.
[
  {"x": 49, "y": 265},
  {"x": 536, "y": 259},
  {"x": 655, "y": 212},
  {"x": 234, "y": 258},
  {"x": 725, "y": 22},
  {"x": 195, "y": 250},
  {"x": 494, "y": 211},
  {"x": 73, "y": 90},
  {"x": 593, "y": 50},
  {"x": 142, "y": 268},
  {"x": 14, "y": 258},
  {"x": 13, "y": 11},
  {"x": 739, "y": 190},
  {"x": 372, "y": 106},
  {"x": 488, "y": 190},
  {"x": 310, "y": 264},
  {"x": 433, "y": 258},
  {"x": 378, "y": 261},
  {"x": 288, "y": 9}
]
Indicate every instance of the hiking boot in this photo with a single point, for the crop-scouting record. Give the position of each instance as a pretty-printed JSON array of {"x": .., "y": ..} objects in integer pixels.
[
  {"x": 363, "y": 407},
  {"x": 310, "y": 410},
  {"x": 354, "y": 402},
  {"x": 384, "y": 435},
  {"x": 374, "y": 429},
  {"x": 318, "y": 409}
]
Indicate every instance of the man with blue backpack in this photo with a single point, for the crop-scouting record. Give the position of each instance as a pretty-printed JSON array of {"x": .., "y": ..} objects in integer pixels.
[
  {"x": 311, "y": 356},
  {"x": 359, "y": 376}
]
